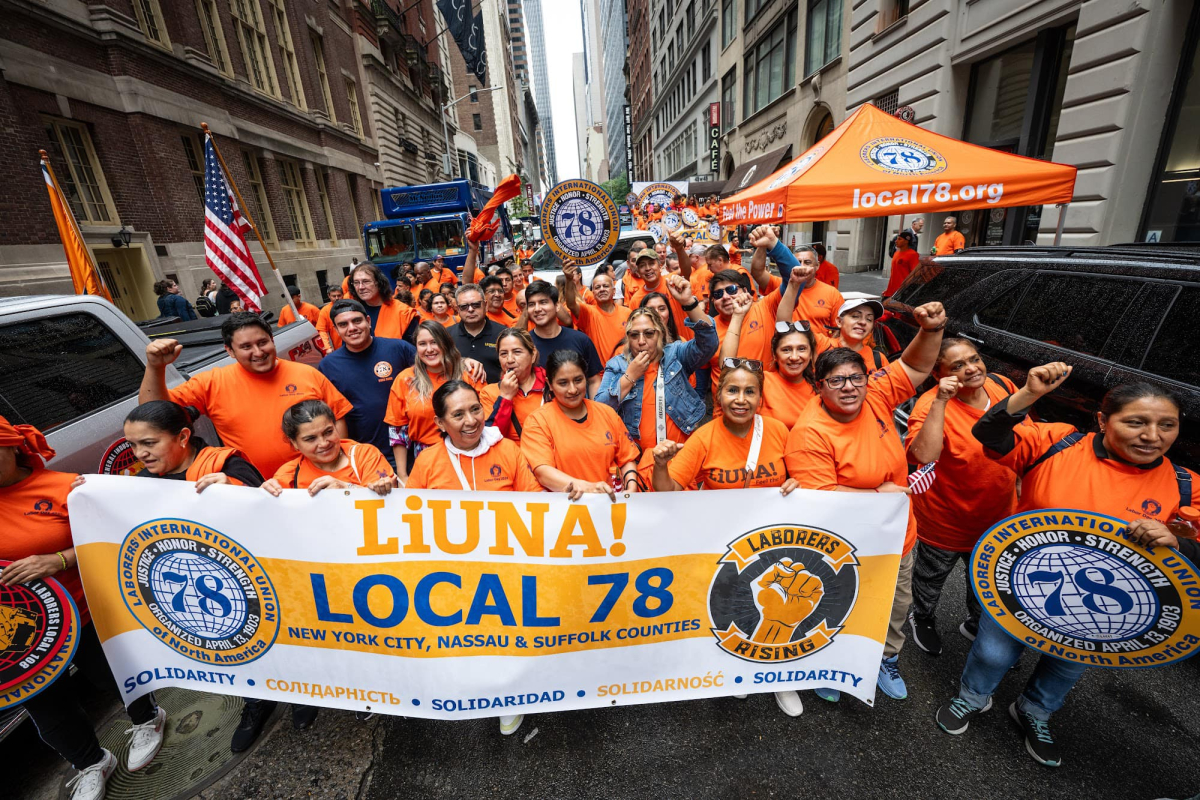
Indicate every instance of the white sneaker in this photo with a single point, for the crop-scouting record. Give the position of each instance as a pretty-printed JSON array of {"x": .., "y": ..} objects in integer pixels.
[
  {"x": 509, "y": 725},
  {"x": 89, "y": 784},
  {"x": 146, "y": 741},
  {"x": 789, "y": 703},
  {"x": 740, "y": 696}
]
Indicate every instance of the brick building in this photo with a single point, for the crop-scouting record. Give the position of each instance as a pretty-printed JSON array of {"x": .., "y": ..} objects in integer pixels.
[
  {"x": 639, "y": 87},
  {"x": 116, "y": 90}
]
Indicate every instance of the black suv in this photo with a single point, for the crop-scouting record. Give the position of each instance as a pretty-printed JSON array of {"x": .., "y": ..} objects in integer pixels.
[{"x": 1117, "y": 314}]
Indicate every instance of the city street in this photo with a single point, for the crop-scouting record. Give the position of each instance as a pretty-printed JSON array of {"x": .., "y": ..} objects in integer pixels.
[{"x": 1125, "y": 735}]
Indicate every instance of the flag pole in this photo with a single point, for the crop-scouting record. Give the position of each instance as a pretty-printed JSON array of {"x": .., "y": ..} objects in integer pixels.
[
  {"x": 45, "y": 157},
  {"x": 253, "y": 225}
]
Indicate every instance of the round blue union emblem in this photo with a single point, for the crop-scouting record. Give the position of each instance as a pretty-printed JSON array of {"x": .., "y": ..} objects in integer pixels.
[
  {"x": 897, "y": 156},
  {"x": 579, "y": 222}
]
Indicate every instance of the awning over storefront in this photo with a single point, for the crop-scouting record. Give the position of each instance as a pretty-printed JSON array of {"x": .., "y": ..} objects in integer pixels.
[
  {"x": 874, "y": 164},
  {"x": 705, "y": 188},
  {"x": 754, "y": 170}
]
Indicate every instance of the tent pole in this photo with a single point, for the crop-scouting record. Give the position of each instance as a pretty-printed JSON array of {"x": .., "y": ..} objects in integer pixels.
[{"x": 1062, "y": 218}]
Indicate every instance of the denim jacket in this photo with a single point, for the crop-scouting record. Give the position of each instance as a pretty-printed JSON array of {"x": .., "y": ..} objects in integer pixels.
[{"x": 685, "y": 406}]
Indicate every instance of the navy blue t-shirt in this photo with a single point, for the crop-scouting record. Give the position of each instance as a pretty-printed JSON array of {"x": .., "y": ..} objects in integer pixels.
[
  {"x": 569, "y": 339},
  {"x": 365, "y": 378}
]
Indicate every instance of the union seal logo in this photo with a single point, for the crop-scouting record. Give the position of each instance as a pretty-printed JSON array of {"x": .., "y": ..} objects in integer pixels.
[
  {"x": 39, "y": 630},
  {"x": 690, "y": 217},
  {"x": 1069, "y": 584},
  {"x": 714, "y": 231},
  {"x": 782, "y": 593},
  {"x": 580, "y": 222},
  {"x": 119, "y": 459},
  {"x": 383, "y": 369},
  {"x": 660, "y": 193},
  {"x": 659, "y": 233},
  {"x": 198, "y": 591},
  {"x": 897, "y": 156},
  {"x": 671, "y": 221}
]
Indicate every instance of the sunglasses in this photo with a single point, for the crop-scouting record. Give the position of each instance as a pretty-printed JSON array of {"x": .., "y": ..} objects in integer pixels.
[
  {"x": 799, "y": 326},
  {"x": 717, "y": 294},
  {"x": 470, "y": 306},
  {"x": 857, "y": 380},
  {"x": 639, "y": 335},
  {"x": 746, "y": 363}
]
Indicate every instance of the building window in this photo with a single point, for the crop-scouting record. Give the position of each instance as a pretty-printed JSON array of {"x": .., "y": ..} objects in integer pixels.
[
  {"x": 355, "y": 117},
  {"x": 375, "y": 203},
  {"x": 888, "y": 103},
  {"x": 352, "y": 190},
  {"x": 318, "y": 46},
  {"x": 770, "y": 67},
  {"x": 474, "y": 91},
  {"x": 824, "y": 34},
  {"x": 326, "y": 207},
  {"x": 1173, "y": 210},
  {"x": 753, "y": 7},
  {"x": 892, "y": 11},
  {"x": 287, "y": 54},
  {"x": 259, "y": 210},
  {"x": 195, "y": 161},
  {"x": 297, "y": 203},
  {"x": 728, "y": 100},
  {"x": 728, "y": 22},
  {"x": 252, "y": 38},
  {"x": 214, "y": 36},
  {"x": 477, "y": 122},
  {"x": 690, "y": 17},
  {"x": 150, "y": 20},
  {"x": 705, "y": 62},
  {"x": 83, "y": 183}
]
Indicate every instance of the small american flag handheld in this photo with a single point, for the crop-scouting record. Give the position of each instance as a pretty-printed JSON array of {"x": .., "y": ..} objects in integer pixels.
[{"x": 923, "y": 478}]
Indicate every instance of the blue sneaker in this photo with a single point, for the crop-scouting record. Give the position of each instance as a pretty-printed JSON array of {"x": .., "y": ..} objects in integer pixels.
[
  {"x": 825, "y": 693},
  {"x": 889, "y": 678}
]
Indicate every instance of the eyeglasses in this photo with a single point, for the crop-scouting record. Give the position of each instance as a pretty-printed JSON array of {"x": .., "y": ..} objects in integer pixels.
[
  {"x": 740, "y": 363},
  {"x": 717, "y": 294},
  {"x": 799, "y": 326},
  {"x": 470, "y": 306},
  {"x": 857, "y": 380},
  {"x": 639, "y": 335},
  {"x": 362, "y": 283}
]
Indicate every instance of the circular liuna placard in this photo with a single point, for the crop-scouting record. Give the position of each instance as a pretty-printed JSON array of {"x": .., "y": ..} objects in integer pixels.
[
  {"x": 39, "y": 631},
  {"x": 1069, "y": 584},
  {"x": 580, "y": 222}
]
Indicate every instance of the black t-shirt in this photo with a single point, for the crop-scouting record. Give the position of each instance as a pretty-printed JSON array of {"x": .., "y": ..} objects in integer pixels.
[
  {"x": 482, "y": 348},
  {"x": 235, "y": 467},
  {"x": 569, "y": 339}
]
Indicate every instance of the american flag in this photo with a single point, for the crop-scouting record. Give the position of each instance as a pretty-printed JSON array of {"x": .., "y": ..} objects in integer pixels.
[
  {"x": 922, "y": 479},
  {"x": 225, "y": 228}
]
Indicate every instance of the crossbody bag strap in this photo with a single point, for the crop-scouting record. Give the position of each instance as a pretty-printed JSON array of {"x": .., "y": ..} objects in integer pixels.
[{"x": 755, "y": 446}]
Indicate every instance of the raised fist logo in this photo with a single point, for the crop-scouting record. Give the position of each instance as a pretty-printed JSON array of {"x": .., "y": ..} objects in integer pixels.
[{"x": 787, "y": 594}]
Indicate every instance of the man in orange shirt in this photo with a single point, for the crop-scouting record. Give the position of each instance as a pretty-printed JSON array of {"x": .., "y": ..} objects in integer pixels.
[
  {"x": 604, "y": 322},
  {"x": 325, "y": 327},
  {"x": 442, "y": 273},
  {"x": 818, "y": 302},
  {"x": 307, "y": 310},
  {"x": 950, "y": 241},
  {"x": 827, "y": 271},
  {"x": 903, "y": 263},
  {"x": 246, "y": 400},
  {"x": 493, "y": 297}
]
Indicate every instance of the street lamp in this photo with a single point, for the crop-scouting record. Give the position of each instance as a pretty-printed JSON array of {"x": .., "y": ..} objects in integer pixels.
[{"x": 474, "y": 95}]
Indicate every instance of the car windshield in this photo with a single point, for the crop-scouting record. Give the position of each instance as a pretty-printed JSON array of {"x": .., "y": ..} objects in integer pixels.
[
  {"x": 442, "y": 237},
  {"x": 393, "y": 243},
  {"x": 543, "y": 259}
]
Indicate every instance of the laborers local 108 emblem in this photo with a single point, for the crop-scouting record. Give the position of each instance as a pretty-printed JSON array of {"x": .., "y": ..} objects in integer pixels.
[
  {"x": 39, "y": 630},
  {"x": 580, "y": 222},
  {"x": 782, "y": 592},
  {"x": 1068, "y": 583},
  {"x": 198, "y": 591},
  {"x": 902, "y": 157}
]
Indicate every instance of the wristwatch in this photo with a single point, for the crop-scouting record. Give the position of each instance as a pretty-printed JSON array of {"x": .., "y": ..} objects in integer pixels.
[{"x": 692, "y": 305}]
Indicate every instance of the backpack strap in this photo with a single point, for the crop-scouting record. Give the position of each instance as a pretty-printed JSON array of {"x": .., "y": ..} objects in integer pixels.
[
  {"x": 296, "y": 475},
  {"x": 1070, "y": 440},
  {"x": 996, "y": 379},
  {"x": 878, "y": 360},
  {"x": 1184, "y": 479}
]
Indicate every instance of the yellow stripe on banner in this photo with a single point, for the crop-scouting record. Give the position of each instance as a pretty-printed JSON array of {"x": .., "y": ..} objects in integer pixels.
[
  {"x": 98, "y": 568},
  {"x": 876, "y": 592}
]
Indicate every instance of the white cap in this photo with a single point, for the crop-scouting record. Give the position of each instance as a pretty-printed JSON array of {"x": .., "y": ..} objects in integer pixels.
[{"x": 854, "y": 303}]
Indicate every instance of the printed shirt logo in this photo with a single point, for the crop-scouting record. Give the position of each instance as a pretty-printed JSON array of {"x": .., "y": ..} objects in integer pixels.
[
  {"x": 782, "y": 593},
  {"x": 198, "y": 591},
  {"x": 290, "y": 388},
  {"x": 897, "y": 156},
  {"x": 1151, "y": 508},
  {"x": 383, "y": 370},
  {"x": 495, "y": 471},
  {"x": 45, "y": 508},
  {"x": 39, "y": 630}
]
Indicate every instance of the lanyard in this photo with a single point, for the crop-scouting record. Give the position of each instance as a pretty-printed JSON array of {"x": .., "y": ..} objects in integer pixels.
[
  {"x": 755, "y": 446},
  {"x": 660, "y": 406},
  {"x": 462, "y": 478},
  {"x": 353, "y": 466}
]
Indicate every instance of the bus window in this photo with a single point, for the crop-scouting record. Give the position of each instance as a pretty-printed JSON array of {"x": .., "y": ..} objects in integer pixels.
[
  {"x": 441, "y": 237},
  {"x": 393, "y": 243}
]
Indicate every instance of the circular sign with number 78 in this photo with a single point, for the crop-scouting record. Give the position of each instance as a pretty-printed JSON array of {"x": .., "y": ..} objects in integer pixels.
[{"x": 580, "y": 222}]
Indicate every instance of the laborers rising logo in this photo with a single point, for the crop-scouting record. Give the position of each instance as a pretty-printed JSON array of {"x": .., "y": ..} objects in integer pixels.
[
  {"x": 781, "y": 593},
  {"x": 897, "y": 156},
  {"x": 198, "y": 591}
]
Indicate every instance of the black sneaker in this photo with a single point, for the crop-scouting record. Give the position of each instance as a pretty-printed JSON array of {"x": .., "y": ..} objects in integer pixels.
[
  {"x": 304, "y": 716},
  {"x": 925, "y": 635},
  {"x": 254, "y": 717},
  {"x": 956, "y": 716},
  {"x": 1038, "y": 740},
  {"x": 969, "y": 629}
]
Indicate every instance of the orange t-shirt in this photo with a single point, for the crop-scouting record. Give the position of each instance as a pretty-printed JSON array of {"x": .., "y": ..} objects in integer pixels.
[
  {"x": 632, "y": 283},
  {"x": 591, "y": 450},
  {"x": 823, "y": 453},
  {"x": 394, "y": 319},
  {"x": 827, "y": 342},
  {"x": 701, "y": 276},
  {"x": 35, "y": 523},
  {"x": 971, "y": 491},
  {"x": 903, "y": 262},
  {"x": 677, "y": 312},
  {"x": 407, "y": 408},
  {"x": 947, "y": 243},
  {"x": 604, "y": 329},
  {"x": 327, "y": 330},
  {"x": 647, "y": 432},
  {"x": 450, "y": 320},
  {"x": 523, "y": 405},
  {"x": 784, "y": 400},
  {"x": 247, "y": 408},
  {"x": 307, "y": 310},
  {"x": 758, "y": 326},
  {"x": 502, "y": 468},
  {"x": 365, "y": 465},
  {"x": 503, "y": 317},
  {"x": 827, "y": 272},
  {"x": 717, "y": 458},
  {"x": 819, "y": 304}
]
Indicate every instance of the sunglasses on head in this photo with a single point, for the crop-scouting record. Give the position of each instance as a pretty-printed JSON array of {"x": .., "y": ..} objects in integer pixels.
[
  {"x": 732, "y": 290},
  {"x": 799, "y": 326},
  {"x": 742, "y": 363}
]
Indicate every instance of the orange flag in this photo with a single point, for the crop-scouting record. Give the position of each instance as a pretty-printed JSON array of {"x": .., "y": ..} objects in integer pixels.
[
  {"x": 84, "y": 274},
  {"x": 483, "y": 227}
]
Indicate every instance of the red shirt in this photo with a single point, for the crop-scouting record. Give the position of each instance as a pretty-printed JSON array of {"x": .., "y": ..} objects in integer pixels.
[{"x": 904, "y": 262}]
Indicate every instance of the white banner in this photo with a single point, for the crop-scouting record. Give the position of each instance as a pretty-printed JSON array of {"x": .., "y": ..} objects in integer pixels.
[{"x": 454, "y": 605}]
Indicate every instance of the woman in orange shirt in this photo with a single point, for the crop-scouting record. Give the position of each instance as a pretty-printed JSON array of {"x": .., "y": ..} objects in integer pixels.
[
  {"x": 326, "y": 460},
  {"x": 409, "y": 411},
  {"x": 789, "y": 383},
  {"x": 390, "y": 318},
  {"x": 577, "y": 445},
  {"x": 37, "y": 540},
  {"x": 439, "y": 311},
  {"x": 971, "y": 491},
  {"x": 846, "y": 442},
  {"x": 521, "y": 391},
  {"x": 856, "y": 324},
  {"x": 658, "y": 303}
]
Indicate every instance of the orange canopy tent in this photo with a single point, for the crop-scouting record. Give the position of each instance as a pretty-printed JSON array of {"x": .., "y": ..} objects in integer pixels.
[{"x": 874, "y": 165}]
